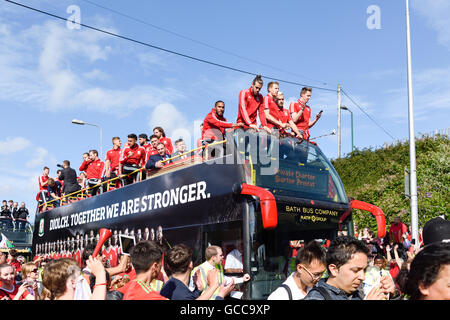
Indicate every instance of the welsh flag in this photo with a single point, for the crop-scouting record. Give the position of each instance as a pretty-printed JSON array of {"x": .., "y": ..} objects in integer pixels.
[{"x": 5, "y": 243}]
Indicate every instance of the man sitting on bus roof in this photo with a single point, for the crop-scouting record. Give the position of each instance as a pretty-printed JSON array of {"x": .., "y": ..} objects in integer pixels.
[
  {"x": 278, "y": 118},
  {"x": 156, "y": 161},
  {"x": 181, "y": 153}
]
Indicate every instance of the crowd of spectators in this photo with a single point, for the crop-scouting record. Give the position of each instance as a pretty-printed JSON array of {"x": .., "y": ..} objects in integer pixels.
[
  {"x": 344, "y": 269},
  {"x": 12, "y": 216},
  {"x": 142, "y": 154}
]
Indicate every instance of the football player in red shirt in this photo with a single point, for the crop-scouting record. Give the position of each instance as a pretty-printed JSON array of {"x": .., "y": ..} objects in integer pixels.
[
  {"x": 280, "y": 118},
  {"x": 301, "y": 112},
  {"x": 154, "y": 140},
  {"x": 215, "y": 123},
  {"x": 132, "y": 158},
  {"x": 159, "y": 132},
  {"x": 250, "y": 104},
  {"x": 43, "y": 180},
  {"x": 94, "y": 170},
  {"x": 112, "y": 161}
]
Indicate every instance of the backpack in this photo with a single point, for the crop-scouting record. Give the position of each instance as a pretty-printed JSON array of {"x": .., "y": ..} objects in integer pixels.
[{"x": 322, "y": 291}]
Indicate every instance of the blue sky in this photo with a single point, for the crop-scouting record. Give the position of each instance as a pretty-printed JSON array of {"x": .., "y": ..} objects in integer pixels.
[{"x": 51, "y": 74}]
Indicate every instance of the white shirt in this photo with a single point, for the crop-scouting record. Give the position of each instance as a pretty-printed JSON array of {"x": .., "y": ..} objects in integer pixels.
[
  {"x": 282, "y": 294},
  {"x": 234, "y": 260}
]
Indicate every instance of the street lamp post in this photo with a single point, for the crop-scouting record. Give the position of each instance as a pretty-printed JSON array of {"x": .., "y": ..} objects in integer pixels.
[
  {"x": 81, "y": 122},
  {"x": 351, "y": 114},
  {"x": 412, "y": 141}
]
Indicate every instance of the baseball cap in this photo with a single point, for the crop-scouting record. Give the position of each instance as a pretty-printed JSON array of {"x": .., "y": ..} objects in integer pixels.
[
  {"x": 436, "y": 230},
  {"x": 143, "y": 135}
]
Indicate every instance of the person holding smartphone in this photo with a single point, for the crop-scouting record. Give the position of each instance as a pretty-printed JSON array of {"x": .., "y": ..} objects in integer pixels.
[{"x": 301, "y": 112}]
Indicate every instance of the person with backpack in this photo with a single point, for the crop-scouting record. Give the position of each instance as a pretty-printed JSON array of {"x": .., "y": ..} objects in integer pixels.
[
  {"x": 310, "y": 264},
  {"x": 347, "y": 260}
]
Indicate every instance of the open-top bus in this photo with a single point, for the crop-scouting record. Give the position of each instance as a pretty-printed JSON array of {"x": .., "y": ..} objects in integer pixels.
[{"x": 258, "y": 189}]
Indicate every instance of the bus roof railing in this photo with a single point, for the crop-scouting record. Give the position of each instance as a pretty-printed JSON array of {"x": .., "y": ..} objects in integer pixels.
[{"x": 78, "y": 192}]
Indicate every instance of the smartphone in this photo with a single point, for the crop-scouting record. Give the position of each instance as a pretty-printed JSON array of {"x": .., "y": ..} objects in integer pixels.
[
  {"x": 320, "y": 111},
  {"x": 126, "y": 243}
]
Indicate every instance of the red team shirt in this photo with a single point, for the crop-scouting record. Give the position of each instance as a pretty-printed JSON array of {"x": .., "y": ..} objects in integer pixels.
[
  {"x": 275, "y": 111},
  {"x": 149, "y": 151},
  {"x": 303, "y": 121},
  {"x": 396, "y": 231},
  {"x": 168, "y": 143},
  {"x": 139, "y": 290},
  {"x": 212, "y": 123},
  {"x": 111, "y": 255},
  {"x": 77, "y": 257},
  {"x": 249, "y": 106},
  {"x": 94, "y": 169},
  {"x": 138, "y": 156},
  {"x": 113, "y": 156},
  {"x": 16, "y": 264},
  {"x": 43, "y": 179},
  {"x": 12, "y": 294}
]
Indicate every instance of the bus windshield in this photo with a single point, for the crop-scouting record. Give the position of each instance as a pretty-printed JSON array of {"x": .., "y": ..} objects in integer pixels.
[{"x": 299, "y": 169}]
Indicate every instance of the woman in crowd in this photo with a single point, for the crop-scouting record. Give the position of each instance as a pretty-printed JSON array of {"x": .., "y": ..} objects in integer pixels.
[
  {"x": 429, "y": 274},
  {"x": 9, "y": 290},
  {"x": 60, "y": 278}
]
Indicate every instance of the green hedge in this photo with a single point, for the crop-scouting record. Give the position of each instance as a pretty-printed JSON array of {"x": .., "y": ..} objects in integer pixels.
[{"x": 377, "y": 177}]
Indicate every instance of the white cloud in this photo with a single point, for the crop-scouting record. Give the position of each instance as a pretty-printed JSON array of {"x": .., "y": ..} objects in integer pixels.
[
  {"x": 436, "y": 13},
  {"x": 12, "y": 145},
  {"x": 62, "y": 56},
  {"x": 40, "y": 157},
  {"x": 175, "y": 124},
  {"x": 96, "y": 74}
]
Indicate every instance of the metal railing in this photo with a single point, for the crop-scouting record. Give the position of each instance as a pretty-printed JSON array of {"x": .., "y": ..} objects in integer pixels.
[{"x": 83, "y": 193}]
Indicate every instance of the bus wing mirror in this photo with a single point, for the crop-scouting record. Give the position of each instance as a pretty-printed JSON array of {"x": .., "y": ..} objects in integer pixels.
[
  {"x": 375, "y": 211},
  {"x": 267, "y": 202}
]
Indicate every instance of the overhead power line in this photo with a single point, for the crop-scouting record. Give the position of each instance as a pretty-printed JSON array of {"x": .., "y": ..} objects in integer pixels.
[
  {"x": 373, "y": 120},
  {"x": 197, "y": 41},
  {"x": 167, "y": 50}
]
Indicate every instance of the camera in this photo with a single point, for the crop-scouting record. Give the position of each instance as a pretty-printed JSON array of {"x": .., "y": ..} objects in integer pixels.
[{"x": 59, "y": 165}]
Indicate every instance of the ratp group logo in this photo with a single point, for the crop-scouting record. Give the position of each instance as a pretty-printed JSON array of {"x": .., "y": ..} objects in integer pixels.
[{"x": 41, "y": 227}]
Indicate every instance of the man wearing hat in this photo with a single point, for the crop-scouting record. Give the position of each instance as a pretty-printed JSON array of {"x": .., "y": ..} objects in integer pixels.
[{"x": 436, "y": 230}]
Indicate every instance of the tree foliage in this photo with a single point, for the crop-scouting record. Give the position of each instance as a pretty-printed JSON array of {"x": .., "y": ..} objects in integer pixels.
[{"x": 377, "y": 177}]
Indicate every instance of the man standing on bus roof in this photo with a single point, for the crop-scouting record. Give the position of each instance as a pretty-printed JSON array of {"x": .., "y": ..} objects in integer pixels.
[
  {"x": 131, "y": 158},
  {"x": 250, "y": 104},
  {"x": 43, "y": 180},
  {"x": 215, "y": 123},
  {"x": 112, "y": 159},
  {"x": 69, "y": 177},
  {"x": 301, "y": 112},
  {"x": 310, "y": 264},
  {"x": 159, "y": 132},
  {"x": 94, "y": 170}
]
